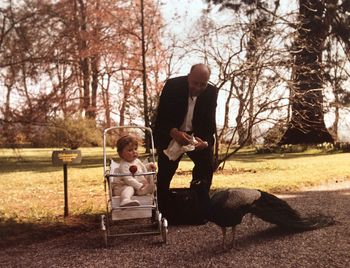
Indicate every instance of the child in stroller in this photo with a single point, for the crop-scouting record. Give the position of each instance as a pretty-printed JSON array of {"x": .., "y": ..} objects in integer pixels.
[{"x": 134, "y": 184}]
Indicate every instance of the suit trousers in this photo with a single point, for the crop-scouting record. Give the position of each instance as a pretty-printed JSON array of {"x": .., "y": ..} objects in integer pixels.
[{"x": 202, "y": 172}]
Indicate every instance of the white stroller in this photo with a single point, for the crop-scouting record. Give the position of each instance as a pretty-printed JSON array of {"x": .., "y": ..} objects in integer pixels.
[{"x": 144, "y": 219}]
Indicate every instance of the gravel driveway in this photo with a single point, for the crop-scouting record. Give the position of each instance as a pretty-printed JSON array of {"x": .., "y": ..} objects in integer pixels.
[{"x": 259, "y": 244}]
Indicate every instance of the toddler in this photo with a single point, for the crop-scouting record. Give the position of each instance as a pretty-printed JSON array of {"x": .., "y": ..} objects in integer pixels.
[{"x": 132, "y": 184}]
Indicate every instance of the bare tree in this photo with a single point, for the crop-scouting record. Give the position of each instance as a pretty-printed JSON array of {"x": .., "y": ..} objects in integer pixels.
[
  {"x": 336, "y": 77},
  {"x": 316, "y": 20},
  {"x": 86, "y": 53},
  {"x": 251, "y": 75}
]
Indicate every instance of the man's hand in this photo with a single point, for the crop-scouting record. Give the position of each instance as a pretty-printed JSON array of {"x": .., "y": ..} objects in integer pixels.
[
  {"x": 181, "y": 137},
  {"x": 200, "y": 145}
]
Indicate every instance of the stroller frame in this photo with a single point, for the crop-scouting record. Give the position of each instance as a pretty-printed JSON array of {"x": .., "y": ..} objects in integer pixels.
[{"x": 113, "y": 221}]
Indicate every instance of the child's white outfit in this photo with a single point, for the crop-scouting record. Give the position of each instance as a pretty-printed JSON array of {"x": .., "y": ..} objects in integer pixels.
[{"x": 130, "y": 185}]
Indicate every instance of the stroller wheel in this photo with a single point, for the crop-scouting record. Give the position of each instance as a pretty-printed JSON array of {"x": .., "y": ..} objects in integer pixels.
[
  {"x": 104, "y": 230},
  {"x": 159, "y": 221},
  {"x": 103, "y": 222},
  {"x": 164, "y": 230}
]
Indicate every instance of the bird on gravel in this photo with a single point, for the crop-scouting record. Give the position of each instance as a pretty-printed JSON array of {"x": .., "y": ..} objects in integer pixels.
[{"x": 228, "y": 207}]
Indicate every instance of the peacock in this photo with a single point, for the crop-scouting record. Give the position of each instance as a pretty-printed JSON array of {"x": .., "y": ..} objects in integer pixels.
[{"x": 228, "y": 207}]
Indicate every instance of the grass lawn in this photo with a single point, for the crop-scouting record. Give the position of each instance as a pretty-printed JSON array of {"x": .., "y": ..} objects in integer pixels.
[{"x": 32, "y": 192}]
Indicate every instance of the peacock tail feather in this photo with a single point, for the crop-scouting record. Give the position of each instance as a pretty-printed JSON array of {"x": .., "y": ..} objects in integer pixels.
[{"x": 277, "y": 211}]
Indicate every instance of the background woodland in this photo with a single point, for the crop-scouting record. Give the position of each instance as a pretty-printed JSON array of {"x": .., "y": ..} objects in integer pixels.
[{"x": 70, "y": 68}]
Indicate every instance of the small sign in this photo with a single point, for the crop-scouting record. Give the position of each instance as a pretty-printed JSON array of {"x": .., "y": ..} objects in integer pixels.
[{"x": 65, "y": 157}]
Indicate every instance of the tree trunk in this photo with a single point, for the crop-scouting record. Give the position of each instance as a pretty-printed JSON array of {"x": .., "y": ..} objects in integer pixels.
[
  {"x": 307, "y": 122},
  {"x": 94, "y": 86},
  {"x": 8, "y": 130},
  {"x": 106, "y": 102},
  {"x": 144, "y": 79}
]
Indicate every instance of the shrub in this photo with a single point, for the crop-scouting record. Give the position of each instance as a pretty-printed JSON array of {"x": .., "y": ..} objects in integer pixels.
[
  {"x": 343, "y": 146},
  {"x": 74, "y": 133},
  {"x": 274, "y": 135}
]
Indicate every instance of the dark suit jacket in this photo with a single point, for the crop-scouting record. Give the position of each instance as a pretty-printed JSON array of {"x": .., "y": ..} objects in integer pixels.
[{"x": 172, "y": 110}]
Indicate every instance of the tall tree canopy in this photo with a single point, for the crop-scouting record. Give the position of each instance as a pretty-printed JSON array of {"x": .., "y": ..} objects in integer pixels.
[
  {"x": 78, "y": 59},
  {"x": 316, "y": 21}
]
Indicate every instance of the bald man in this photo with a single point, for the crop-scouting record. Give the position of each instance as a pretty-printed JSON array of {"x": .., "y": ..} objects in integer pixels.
[{"x": 186, "y": 109}]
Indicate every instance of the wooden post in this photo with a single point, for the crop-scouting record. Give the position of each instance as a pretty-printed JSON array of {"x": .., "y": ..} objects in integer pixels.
[{"x": 65, "y": 182}]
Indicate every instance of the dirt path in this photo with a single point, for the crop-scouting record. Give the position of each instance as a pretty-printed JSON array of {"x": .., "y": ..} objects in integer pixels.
[{"x": 260, "y": 244}]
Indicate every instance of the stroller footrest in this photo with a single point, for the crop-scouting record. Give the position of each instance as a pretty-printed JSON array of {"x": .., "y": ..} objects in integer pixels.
[
  {"x": 131, "y": 213},
  {"x": 137, "y": 212},
  {"x": 143, "y": 200}
]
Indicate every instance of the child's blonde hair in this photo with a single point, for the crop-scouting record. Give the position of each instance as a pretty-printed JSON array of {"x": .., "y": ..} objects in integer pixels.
[{"x": 124, "y": 141}]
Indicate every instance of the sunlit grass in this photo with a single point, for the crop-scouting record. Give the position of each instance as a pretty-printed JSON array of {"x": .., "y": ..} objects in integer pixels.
[{"x": 277, "y": 173}]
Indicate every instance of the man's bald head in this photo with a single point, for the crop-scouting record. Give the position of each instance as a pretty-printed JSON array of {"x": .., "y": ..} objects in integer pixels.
[
  {"x": 198, "y": 79},
  {"x": 202, "y": 68}
]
